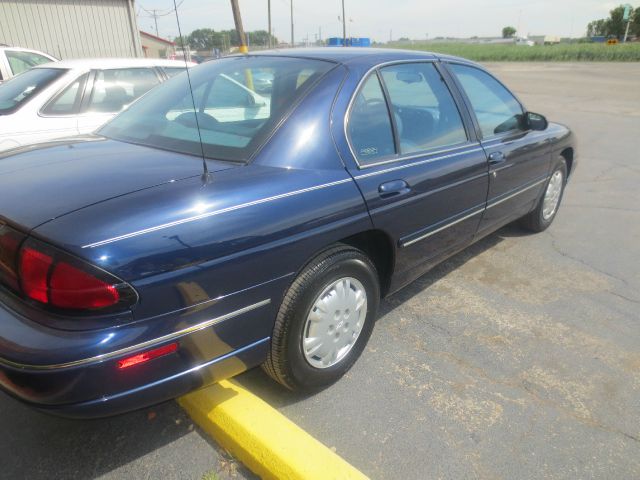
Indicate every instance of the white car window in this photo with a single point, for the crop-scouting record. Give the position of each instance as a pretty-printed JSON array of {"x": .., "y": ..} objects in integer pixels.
[
  {"x": 20, "y": 61},
  {"x": 67, "y": 101},
  {"x": 114, "y": 90}
]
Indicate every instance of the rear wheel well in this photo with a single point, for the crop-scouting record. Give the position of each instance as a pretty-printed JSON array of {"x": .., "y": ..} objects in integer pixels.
[
  {"x": 379, "y": 248},
  {"x": 567, "y": 154}
]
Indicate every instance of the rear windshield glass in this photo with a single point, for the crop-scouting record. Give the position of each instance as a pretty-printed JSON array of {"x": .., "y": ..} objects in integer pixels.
[
  {"x": 238, "y": 102},
  {"x": 18, "y": 90}
]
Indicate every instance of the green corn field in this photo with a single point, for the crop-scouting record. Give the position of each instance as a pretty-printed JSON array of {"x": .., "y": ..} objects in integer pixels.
[{"x": 590, "y": 52}]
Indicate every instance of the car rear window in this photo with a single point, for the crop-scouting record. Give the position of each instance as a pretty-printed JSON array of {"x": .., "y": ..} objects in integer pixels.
[
  {"x": 20, "y": 89},
  {"x": 231, "y": 112}
]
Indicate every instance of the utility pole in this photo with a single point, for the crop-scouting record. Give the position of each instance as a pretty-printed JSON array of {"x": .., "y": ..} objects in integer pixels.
[
  {"x": 292, "y": 42},
  {"x": 344, "y": 27},
  {"x": 269, "y": 16},
  {"x": 243, "y": 41},
  {"x": 238, "y": 21}
]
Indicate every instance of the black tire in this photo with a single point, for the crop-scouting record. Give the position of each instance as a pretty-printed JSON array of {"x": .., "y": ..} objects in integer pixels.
[
  {"x": 535, "y": 220},
  {"x": 286, "y": 362}
]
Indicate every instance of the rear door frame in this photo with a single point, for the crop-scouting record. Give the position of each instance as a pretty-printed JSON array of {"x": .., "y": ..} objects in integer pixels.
[{"x": 419, "y": 249}]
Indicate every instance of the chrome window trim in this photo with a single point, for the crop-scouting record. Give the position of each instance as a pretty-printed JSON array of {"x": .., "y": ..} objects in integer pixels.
[
  {"x": 215, "y": 212},
  {"x": 398, "y": 157},
  {"x": 143, "y": 345},
  {"x": 421, "y": 162}
]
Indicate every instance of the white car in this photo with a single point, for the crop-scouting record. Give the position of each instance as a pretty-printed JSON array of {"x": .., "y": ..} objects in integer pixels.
[
  {"x": 74, "y": 97},
  {"x": 14, "y": 60}
]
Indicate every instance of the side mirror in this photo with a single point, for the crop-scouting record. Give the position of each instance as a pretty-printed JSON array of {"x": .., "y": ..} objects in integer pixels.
[{"x": 535, "y": 121}]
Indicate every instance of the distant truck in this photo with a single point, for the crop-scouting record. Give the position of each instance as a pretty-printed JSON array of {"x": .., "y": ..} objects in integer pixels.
[{"x": 351, "y": 42}]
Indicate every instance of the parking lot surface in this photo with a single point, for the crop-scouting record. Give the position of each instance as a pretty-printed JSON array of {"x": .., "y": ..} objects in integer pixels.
[
  {"x": 156, "y": 443},
  {"x": 519, "y": 357}
]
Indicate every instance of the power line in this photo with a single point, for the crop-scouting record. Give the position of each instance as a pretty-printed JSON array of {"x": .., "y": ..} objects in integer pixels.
[{"x": 153, "y": 13}]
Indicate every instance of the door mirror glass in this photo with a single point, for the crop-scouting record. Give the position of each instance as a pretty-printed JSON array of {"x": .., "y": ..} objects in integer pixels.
[{"x": 535, "y": 121}]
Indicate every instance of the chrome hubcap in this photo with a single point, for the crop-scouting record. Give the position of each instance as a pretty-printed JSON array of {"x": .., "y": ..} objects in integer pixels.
[
  {"x": 552, "y": 195},
  {"x": 334, "y": 322}
]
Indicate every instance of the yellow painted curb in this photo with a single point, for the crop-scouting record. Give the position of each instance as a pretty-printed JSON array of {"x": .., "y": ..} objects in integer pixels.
[{"x": 267, "y": 442}]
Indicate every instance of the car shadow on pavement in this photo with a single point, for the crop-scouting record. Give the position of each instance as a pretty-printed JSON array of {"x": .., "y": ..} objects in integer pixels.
[
  {"x": 276, "y": 395},
  {"x": 36, "y": 445}
]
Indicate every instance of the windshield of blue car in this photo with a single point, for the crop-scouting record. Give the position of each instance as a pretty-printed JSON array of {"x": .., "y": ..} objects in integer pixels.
[
  {"x": 238, "y": 103},
  {"x": 21, "y": 88}
]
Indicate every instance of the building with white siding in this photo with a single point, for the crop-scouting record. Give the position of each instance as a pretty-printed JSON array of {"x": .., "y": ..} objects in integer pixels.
[{"x": 71, "y": 28}]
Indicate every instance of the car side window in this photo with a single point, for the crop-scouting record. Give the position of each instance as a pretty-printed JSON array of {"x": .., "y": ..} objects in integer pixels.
[
  {"x": 369, "y": 126},
  {"x": 115, "y": 89},
  {"x": 20, "y": 61},
  {"x": 495, "y": 107},
  {"x": 425, "y": 113},
  {"x": 66, "y": 102}
]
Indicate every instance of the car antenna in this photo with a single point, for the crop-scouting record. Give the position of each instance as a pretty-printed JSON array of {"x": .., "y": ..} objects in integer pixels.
[{"x": 206, "y": 178}]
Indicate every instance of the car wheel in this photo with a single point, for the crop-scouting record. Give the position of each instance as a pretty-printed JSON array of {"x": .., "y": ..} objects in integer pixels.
[
  {"x": 541, "y": 217},
  {"x": 325, "y": 320}
]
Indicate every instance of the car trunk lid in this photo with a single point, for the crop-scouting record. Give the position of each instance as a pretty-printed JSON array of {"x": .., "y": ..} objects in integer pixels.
[{"x": 40, "y": 183}]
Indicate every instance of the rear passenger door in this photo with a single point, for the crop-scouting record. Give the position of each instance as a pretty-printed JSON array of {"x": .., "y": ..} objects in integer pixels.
[
  {"x": 519, "y": 158},
  {"x": 418, "y": 164}
]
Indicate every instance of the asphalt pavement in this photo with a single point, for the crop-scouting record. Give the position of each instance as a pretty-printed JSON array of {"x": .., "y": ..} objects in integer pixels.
[{"x": 160, "y": 442}]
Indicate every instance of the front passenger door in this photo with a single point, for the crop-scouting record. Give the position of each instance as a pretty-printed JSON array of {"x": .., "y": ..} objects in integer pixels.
[
  {"x": 519, "y": 158},
  {"x": 421, "y": 172}
]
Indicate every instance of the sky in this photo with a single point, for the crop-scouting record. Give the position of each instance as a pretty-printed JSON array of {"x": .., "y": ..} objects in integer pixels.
[{"x": 381, "y": 19}]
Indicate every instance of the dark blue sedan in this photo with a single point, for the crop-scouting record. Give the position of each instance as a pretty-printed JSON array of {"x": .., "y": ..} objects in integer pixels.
[{"x": 211, "y": 228}]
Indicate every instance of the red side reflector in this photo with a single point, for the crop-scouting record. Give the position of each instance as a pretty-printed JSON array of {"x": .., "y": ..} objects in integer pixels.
[
  {"x": 34, "y": 269},
  {"x": 73, "y": 288},
  {"x": 146, "y": 356}
]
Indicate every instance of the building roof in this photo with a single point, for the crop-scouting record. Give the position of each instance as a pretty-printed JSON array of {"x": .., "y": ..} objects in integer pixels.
[{"x": 159, "y": 39}]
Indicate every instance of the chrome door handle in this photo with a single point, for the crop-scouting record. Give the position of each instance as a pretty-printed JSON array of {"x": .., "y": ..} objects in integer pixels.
[
  {"x": 393, "y": 188},
  {"x": 496, "y": 158}
]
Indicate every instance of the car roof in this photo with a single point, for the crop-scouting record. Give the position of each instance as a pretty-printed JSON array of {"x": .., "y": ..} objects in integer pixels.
[
  {"x": 348, "y": 55},
  {"x": 106, "y": 63},
  {"x": 20, "y": 49}
]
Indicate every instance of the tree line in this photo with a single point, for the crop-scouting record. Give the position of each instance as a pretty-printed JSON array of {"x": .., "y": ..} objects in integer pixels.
[
  {"x": 614, "y": 25},
  {"x": 208, "y": 39}
]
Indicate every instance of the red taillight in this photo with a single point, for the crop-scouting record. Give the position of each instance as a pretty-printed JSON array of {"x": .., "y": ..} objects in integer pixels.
[
  {"x": 70, "y": 287},
  {"x": 57, "y": 279},
  {"x": 146, "y": 356},
  {"x": 10, "y": 241},
  {"x": 34, "y": 271}
]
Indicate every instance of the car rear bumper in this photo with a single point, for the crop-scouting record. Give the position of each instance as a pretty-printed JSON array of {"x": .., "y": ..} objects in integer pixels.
[
  {"x": 178, "y": 384},
  {"x": 49, "y": 369}
]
